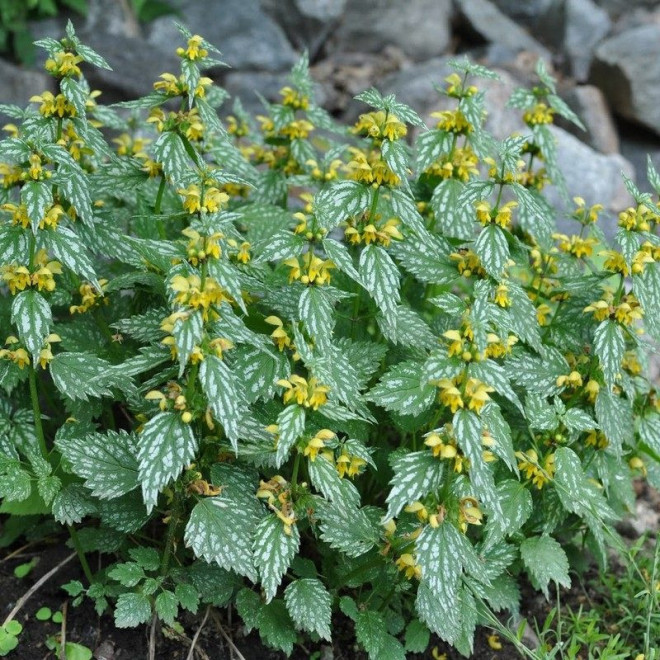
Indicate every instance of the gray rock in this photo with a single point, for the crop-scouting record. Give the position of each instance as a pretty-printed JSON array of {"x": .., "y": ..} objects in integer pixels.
[
  {"x": 420, "y": 28},
  {"x": 592, "y": 176},
  {"x": 244, "y": 84},
  {"x": 247, "y": 37},
  {"x": 626, "y": 67},
  {"x": 590, "y": 106},
  {"x": 112, "y": 18},
  {"x": 618, "y": 7},
  {"x": 135, "y": 66},
  {"x": 585, "y": 26},
  {"x": 19, "y": 84},
  {"x": 494, "y": 26},
  {"x": 414, "y": 84},
  {"x": 307, "y": 23},
  {"x": 527, "y": 12}
]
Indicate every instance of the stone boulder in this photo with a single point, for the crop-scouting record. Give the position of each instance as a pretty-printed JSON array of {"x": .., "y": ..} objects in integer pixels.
[
  {"x": 574, "y": 28},
  {"x": 19, "y": 84},
  {"x": 247, "y": 37},
  {"x": 590, "y": 106},
  {"x": 626, "y": 68},
  {"x": 488, "y": 22},
  {"x": 420, "y": 28},
  {"x": 307, "y": 23}
]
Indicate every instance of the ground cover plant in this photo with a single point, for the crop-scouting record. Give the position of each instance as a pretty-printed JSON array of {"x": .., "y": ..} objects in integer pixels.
[{"x": 303, "y": 369}]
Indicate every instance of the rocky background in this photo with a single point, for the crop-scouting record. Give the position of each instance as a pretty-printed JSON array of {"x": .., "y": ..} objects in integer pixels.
[{"x": 606, "y": 54}]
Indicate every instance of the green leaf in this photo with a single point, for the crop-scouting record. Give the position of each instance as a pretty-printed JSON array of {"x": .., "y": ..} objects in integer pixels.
[
  {"x": 326, "y": 479},
  {"x": 221, "y": 529},
  {"x": 187, "y": 333},
  {"x": 91, "y": 56},
  {"x": 516, "y": 504},
  {"x": 340, "y": 256},
  {"x": 165, "y": 446},
  {"x": 81, "y": 375},
  {"x": 282, "y": 245},
  {"x": 404, "y": 207},
  {"x": 30, "y": 313},
  {"x": 417, "y": 637},
  {"x": 48, "y": 487},
  {"x": 350, "y": 532},
  {"x": 14, "y": 244},
  {"x": 188, "y": 596},
  {"x": 491, "y": 373},
  {"x": 415, "y": 475},
  {"x": 369, "y": 631},
  {"x": 427, "y": 259},
  {"x": 291, "y": 424},
  {"x": 429, "y": 146},
  {"x": 647, "y": 289},
  {"x": 75, "y": 93},
  {"x": 107, "y": 462},
  {"x": 259, "y": 371},
  {"x": 167, "y": 607},
  {"x": 407, "y": 328},
  {"x": 309, "y": 605},
  {"x": 615, "y": 418},
  {"x": 16, "y": 484},
  {"x": 578, "y": 494},
  {"x": 545, "y": 560},
  {"x": 316, "y": 312},
  {"x": 395, "y": 155},
  {"x": 170, "y": 152},
  {"x": 380, "y": 277},
  {"x": 492, "y": 249},
  {"x": 132, "y": 609},
  {"x": 275, "y": 626},
  {"x": 65, "y": 246},
  {"x": 38, "y": 198},
  {"x": 455, "y": 217},
  {"x": 341, "y": 200},
  {"x": 127, "y": 574},
  {"x": 649, "y": 430},
  {"x": 74, "y": 187},
  {"x": 72, "y": 504},
  {"x": 403, "y": 389},
  {"x": 609, "y": 346},
  {"x": 274, "y": 548}
]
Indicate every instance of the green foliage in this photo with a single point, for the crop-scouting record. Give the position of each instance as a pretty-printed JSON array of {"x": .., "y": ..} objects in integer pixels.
[{"x": 296, "y": 374}]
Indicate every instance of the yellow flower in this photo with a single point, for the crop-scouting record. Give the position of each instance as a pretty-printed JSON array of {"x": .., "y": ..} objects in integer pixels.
[
  {"x": 309, "y": 393},
  {"x": 478, "y": 394},
  {"x": 494, "y": 642},
  {"x": 244, "y": 253},
  {"x": 601, "y": 309},
  {"x": 410, "y": 568},
  {"x": 64, "y": 64},
  {"x": 539, "y": 114},
  {"x": 279, "y": 335},
  {"x": 17, "y": 278},
  {"x": 529, "y": 464},
  {"x": 54, "y": 105},
  {"x": 452, "y": 121},
  {"x": 294, "y": 99},
  {"x": 572, "y": 380},
  {"x": 317, "y": 443},
  {"x": 195, "y": 50},
  {"x": 297, "y": 129},
  {"x": 469, "y": 513},
  {"x": 450, "y": 395},
  {"x": 502, "y": 296}
]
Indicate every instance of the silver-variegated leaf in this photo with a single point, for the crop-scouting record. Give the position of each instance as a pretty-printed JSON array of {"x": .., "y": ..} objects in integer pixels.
[
  {"x": 30, "y": 313},
  {"x": 309, "y": 605},
  {"x": 166, "y": 445},
  {"x": 274, "y": 548}
]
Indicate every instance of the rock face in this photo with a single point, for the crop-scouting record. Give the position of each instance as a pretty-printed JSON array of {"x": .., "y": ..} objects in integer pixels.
[
  {"x": 18, "y": 85},
  {"x": 627, "y": 68},
  {"x": 307, "y": 23},
  {"x": 246, "y": 35},
  {"x": 492, "y": 25},
  {"x": 590, "y": 106},
  {"x": 585, "y": 25},
  {"x": 420, "y": 28}
]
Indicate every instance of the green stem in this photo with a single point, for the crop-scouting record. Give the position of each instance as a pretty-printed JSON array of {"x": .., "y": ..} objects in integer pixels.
[
  {"x": 159, "y": 195},
  {"x": 169, "y": 539},
  {"x": 296, "y": 466},
  {"x": 374, "y": 205},
  {"x": 36, "y": 410},
  {"x": 81, "y": 553}
]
